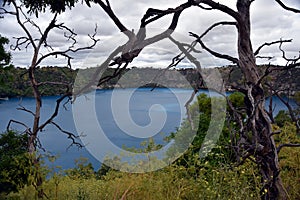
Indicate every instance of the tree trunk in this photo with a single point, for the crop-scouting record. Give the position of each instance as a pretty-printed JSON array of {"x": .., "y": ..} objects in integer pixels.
[
  {"x": 262, "y": 144},
  {"x": 35, "y": 128}
]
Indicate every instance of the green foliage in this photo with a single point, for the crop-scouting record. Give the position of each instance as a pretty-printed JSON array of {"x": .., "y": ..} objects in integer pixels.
[
  {"x": 83, "y": 169},
  {"x": 170, "y": 183},
  {"x": 289, "y": 159},
  {"x": 221, "y": 154},
  {"x": 237, "y": 100},
  {"x": 15, "y": 163},
  {"x": 5, "y": 57},
  {"x": 15, "y": 81},
  {"x": 282, "y": 117},
  {"x": 212, "y": 182},
  {"x": 35, "y": 7}
]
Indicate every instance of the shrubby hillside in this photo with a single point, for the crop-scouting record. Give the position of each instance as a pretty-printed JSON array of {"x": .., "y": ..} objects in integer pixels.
[{"x": 15, "y": 81}]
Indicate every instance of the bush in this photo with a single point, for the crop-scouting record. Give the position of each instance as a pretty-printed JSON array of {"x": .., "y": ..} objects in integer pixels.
[
  {"x": 15, "y": 163},
  {"x": 282, "y": 117}
]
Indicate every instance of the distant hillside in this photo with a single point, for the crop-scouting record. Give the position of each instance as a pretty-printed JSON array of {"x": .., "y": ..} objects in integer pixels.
[
  {"x": 280, "y": 80},
  {"x": 15, "y": 81}
]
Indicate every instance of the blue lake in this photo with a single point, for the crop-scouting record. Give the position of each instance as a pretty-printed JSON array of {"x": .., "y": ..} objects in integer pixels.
[{"x": 144, "y": 107}]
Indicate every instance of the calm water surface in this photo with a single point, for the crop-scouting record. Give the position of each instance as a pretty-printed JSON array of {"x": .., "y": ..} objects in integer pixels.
[{"x": 56, "y": 143}]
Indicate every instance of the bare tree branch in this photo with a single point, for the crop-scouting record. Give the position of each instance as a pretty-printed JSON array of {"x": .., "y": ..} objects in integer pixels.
[
  {"x": 26, "y": 110},
  {"x": 199, "y": 40},
  {"x": 287, "y": 7},
  {"x": 286, "y": 145},
  {"x": 265, "y": 57},
  {"x": 70, "y": 135},
  {"x": 219, "y": 55},
  {"x": 220, "y": 7},
  {"x": 107, "y": 8},
  {"x": 269, "y": 44},
  {"x": 28, "y": 35},
  {"x": 291, "y": 62},
  {"x": 223, "y": 23},
  {"x": 28, "y": 131},
  {"x": 65, "y": 52},
  {"x": 55, "y": 112}
]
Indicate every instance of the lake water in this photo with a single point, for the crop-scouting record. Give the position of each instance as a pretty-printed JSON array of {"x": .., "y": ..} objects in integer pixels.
[{"x": 144, "y": 107}]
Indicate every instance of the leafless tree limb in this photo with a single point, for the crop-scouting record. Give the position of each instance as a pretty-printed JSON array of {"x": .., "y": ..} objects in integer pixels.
[
  {"x": 220, "y": 7},
  {"x": 70, "y": 135},
  {"x": 187, "y": 51},
  {"x": 65, "y": 52},
  {"x": 275, "y": 133},
  {"x": 117, "y": 72},
  {"x": 219, "y": 55},
  {"x": 291, "y": 62},
  {"x": 55, "y": 112},
  {"x": 223, "y": 23},
  {"x": 269, "y": 44},
  {"x": 286, "y": 145},
  {"x": 28, "y": 130},
  {"x": 287, "y": 7},
  {"x": 265, "y": 57},
  {"x": 26, "y": 110}
]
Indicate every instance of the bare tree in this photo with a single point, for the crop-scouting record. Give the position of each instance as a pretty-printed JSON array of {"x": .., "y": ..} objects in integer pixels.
[
  {"x": 255, "y": 137},
  {"x": 37, "y": 44}
]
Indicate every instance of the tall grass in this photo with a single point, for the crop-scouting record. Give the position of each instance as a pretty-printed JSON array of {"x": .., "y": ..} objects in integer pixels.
[{"x": 211, "y": 182}]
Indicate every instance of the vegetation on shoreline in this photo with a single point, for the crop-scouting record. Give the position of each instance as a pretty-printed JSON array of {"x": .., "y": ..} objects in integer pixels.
[
  {"x": 222, "y": 181},
  {"x": 15, "y": 82},
  {"x": 218, "y": 176}
]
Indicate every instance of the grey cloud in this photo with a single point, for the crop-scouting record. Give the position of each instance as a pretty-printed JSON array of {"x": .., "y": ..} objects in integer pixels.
[{"x": 270, "y": 23}]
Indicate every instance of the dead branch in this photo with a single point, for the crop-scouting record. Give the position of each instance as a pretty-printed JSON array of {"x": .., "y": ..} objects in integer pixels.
[
  {"x": 265, "y": 57},
  {"x": 107, "y": 8},
  {"x": 19, "y": 42},
  {"x": 95, "y": 78},
  {"x": 287, "y": 7},
  {"x": 291, "y": 62},
  {"x": 70, "y": 135},
  {"x": 286, "y": 145},
  {"x": 223, "y": 23},
  {"x": 199, "y": 40},
  {"x": 55, "y": 112},
  {"x": 138, "y": 42},
  {"x": 65, "y": 53},
  {"x": 26, "y": 110},
  {"x": 27, "y": 32},
  {"x": 214, "y": 53},
  {"x": 28, "y": 130},
  {"x": 269, "y": 44},
  {"x": 221, "y": 7},
  {"x": 116, "y": 73},
  {"x": 187, "y": 51}
]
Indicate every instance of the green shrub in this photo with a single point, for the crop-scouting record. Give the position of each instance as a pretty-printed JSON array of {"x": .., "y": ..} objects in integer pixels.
[{"x": 15, "y": 163}]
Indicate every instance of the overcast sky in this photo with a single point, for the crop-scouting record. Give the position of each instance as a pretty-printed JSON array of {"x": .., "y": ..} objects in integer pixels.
[{"x": 269, "y": 23}]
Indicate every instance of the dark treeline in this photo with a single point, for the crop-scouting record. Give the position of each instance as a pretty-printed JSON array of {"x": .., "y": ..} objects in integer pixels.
[{"x": 53, "y": 80}]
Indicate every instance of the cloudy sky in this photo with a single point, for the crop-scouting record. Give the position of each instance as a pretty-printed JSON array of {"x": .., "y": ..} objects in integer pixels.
[{"x": 269, "y": 23}]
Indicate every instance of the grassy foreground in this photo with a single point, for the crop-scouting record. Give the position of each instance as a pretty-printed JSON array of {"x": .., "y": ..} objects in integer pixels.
[{"x": 174, "y": 182}]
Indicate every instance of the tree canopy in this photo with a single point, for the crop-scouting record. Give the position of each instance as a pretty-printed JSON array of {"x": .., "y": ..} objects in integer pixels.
[{"x": 5, "y": 56}]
